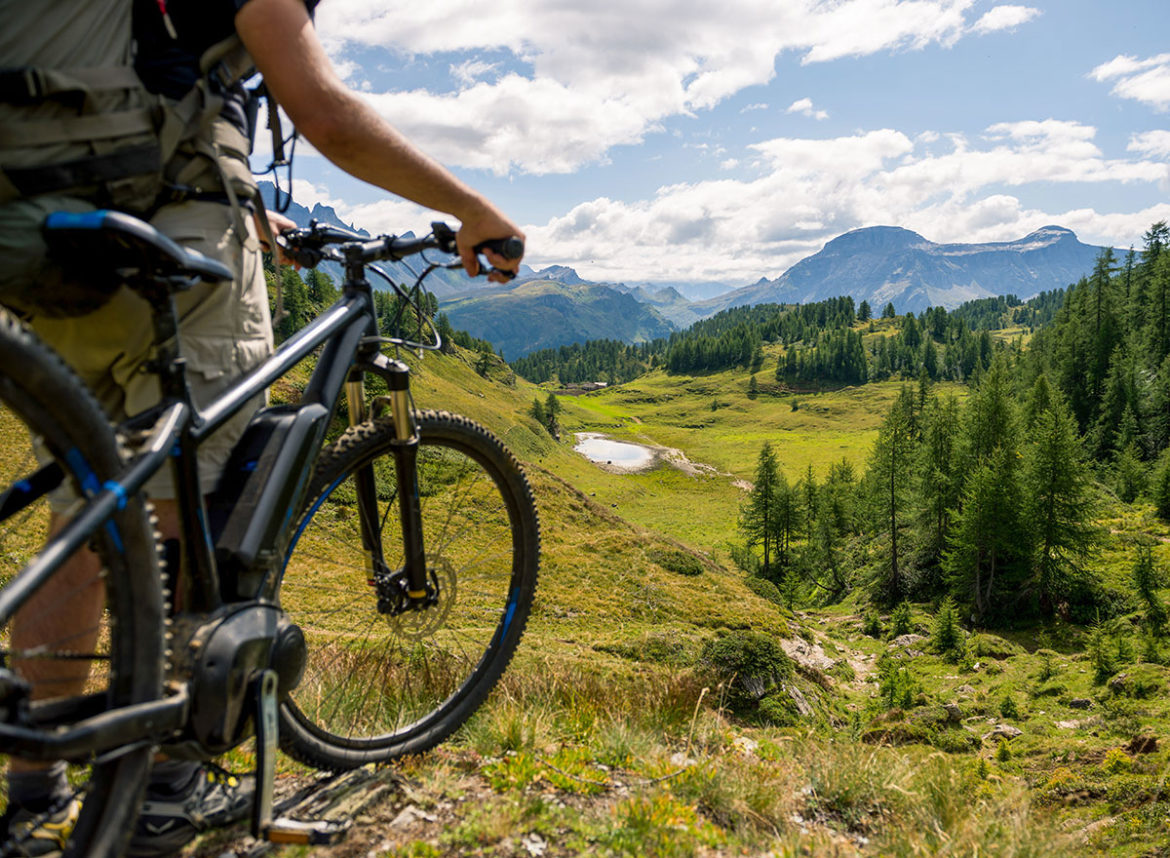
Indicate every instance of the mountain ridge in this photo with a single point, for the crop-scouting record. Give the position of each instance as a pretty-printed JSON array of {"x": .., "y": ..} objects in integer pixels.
[{"x": 890, "y": 264}]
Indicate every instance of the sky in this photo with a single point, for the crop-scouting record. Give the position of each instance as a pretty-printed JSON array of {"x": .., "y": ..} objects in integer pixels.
[{"x": 687, "y": 140}]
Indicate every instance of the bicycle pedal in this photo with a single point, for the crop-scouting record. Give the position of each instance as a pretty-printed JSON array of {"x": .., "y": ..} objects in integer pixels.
[{"x": 323, "y": 832}]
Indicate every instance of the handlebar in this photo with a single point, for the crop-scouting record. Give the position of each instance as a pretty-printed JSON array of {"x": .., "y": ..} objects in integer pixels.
[{"x": 309, "y": 246}]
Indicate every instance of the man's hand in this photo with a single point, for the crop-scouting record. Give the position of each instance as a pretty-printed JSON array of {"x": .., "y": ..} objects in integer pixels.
[
  {"x": 486, "y": 224},
  {"x": 279, "y": 224}
]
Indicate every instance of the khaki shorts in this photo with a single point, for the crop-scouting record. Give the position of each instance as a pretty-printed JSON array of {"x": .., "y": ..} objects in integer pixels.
[{"x": 224, "y": 331}]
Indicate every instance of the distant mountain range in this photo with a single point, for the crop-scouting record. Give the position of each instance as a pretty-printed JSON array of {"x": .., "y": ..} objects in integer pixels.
[
  {"x": 881, "y": 265},
  {"x": 885, "y": 264},
  {"x": 545, "y": 313}
]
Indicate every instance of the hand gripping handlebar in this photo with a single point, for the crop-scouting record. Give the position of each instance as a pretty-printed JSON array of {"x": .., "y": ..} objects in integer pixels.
[{"x": 309, "y": 246}]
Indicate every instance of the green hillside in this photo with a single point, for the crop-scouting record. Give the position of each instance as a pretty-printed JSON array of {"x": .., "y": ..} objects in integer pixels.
[
  {"x": 651, "y": 710},
  {"x": 545, "y": 314}
]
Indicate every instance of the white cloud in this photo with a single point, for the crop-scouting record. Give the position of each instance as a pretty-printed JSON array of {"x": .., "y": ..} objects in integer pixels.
[
  {"x": 804, "y": 106},
  {"x": 308, "y": 195},
  {"x": 469, "y": 71},
  {"x": 1147, "y": 81},
  {"x": 579, "y": 79},
  {"x": 1004, "y": 18},
  {"x": 515, "y": 124},
  {"x": 811, "y": 190},
  {"x": 1155, "y": 144}
]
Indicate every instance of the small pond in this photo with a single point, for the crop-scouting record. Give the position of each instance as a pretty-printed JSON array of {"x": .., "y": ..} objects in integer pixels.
[{"x": 606, "y": 451}]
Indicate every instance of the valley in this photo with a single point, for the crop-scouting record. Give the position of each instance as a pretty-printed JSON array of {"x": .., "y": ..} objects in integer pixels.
[{"x": 664, "y": 703}]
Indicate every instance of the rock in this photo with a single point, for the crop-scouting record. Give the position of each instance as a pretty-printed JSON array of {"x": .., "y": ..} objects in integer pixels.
[
  {"x": 965, "y": 691},
  {"x": 756, "y": 687},
  {"x": 745, "y": 745},
  {"x": 806, "y": 655},
  {"x": 1119, "y": 683},
  {"x": 1142, "y": 745},
  {"x": 953, "y": 712},
  {"x": 534, "y": 844},
  {"x": 411, "y": 814},
  {"x": 802, "y": 704},
  {"x": 1003, "y": 731},
  {"x": 1080, "y": 703},
  {"x": 907, "y": 640},
  {"x": 1068, "y": 725}
]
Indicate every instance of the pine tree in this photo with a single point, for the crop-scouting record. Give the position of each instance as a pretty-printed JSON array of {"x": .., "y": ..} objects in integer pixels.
[
  {"x": 1058, "y": 506},
  {"x": 889, "y": 478},
  {"x": 990, "y": 419},
  {"x": 1161, "y": 488},
  {"x": 758, "y": 517},
  {"x": 947, "y": 635},
  {"x": 297, "y": 310},
  {"x": 321, "y": 290},
  {"x": 939, "y": 482},
  {"x": 987, "y": 541},
  {"x": 1147, "y": 581},
  {"x": 552, "y": 410}
]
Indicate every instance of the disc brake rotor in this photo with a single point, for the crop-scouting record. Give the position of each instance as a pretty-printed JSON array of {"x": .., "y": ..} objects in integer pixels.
[{"x": 420, "y": 624}]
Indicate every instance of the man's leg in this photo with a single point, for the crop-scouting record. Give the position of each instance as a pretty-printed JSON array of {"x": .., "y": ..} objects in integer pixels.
[{"x": 63, "y": 616}]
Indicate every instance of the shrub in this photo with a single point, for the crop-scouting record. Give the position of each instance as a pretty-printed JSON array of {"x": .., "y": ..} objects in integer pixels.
[
  {"x": 897, "y": 686},
  {"x": 901, "y": 621},
  {"x": 764, "y": 588},
  {"x": 1100, "y": 653},
  {"x": 752, "y": 663},
  {"x": 947, "y": 635},
  {"x": 779, "y": 710},
  {"x": 1008, "y": 707},
  {"x": 1116, "y": 761},
  {"x": 871, "y": 624},
  {"x": 1003, "y": 753},
  {"x": 1047, "y": 664}
]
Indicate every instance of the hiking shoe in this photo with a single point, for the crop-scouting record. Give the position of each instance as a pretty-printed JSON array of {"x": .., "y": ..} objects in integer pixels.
[
  {"x": 41, "y": 834},
  {"x": 170, "y": 819}
]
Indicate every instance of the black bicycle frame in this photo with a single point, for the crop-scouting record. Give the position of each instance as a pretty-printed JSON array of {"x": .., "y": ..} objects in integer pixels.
[{"x": 174, "y": 430}]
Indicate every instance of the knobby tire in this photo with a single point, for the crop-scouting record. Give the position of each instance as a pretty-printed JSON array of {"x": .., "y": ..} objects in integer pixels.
[
  {"x": 377, "y": 687},
  {"x": 41, "y": 398}
]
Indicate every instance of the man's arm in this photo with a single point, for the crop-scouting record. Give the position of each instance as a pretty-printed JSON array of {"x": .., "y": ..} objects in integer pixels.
[{"x": 345, "y": 129}]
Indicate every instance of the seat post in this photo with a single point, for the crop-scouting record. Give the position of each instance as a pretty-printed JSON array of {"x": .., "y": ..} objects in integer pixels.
[{"x": 198, "y": 584}]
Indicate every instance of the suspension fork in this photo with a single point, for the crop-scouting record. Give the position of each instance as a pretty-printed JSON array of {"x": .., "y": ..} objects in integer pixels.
[{"x": 405, "y": 446}]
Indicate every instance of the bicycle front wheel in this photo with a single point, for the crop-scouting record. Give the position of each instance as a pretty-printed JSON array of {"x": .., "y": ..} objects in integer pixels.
[
  {"x": 90, "y": 639},
  {"x": 378, "y": 684}
]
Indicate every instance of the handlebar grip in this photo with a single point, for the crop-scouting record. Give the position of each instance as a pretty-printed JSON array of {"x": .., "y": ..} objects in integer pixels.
[{"x": 509, "y": 248}]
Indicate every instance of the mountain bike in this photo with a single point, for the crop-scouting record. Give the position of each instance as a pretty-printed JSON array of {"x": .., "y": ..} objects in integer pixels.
[{"x": 349, "y": 599}]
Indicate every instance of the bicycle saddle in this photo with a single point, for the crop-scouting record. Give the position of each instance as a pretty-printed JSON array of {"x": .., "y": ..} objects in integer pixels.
[{"x": 116, "y": 241}]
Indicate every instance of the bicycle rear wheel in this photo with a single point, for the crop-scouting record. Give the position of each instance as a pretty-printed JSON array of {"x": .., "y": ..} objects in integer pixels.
[
  {"x": 82, "y": 657},
  {"x": 378, "y": 686}
]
